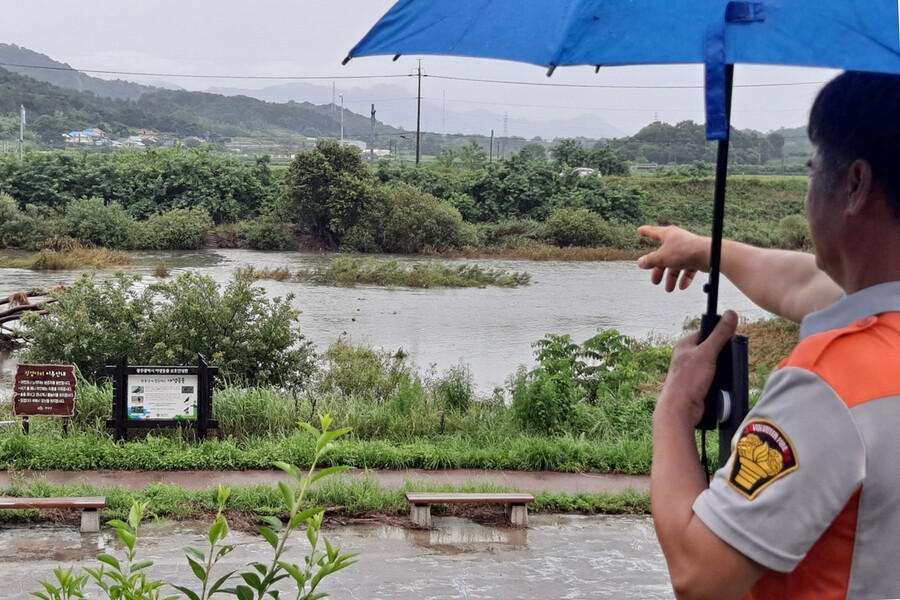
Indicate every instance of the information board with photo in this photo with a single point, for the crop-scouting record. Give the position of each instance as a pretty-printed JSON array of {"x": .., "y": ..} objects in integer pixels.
[{"x": 157, "y": 396}]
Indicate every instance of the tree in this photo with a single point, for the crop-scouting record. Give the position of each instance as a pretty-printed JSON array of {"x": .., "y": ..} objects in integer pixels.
[
  {"x": 606, "y": 160},
  {"x": 329, "y": 187},
  {"x": 569, "y": 152},
  {"x": 472, "y": 156},
  {"x": 533, "y": 152}
]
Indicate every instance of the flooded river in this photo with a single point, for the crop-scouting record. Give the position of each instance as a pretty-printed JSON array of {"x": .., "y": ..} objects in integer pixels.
[
  {"x": 568, "y": 557},
  {"x": 490, "y": 329}
]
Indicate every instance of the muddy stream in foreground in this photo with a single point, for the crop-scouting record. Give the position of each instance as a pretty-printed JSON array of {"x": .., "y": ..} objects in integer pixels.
[{"x": 566, "y": 557}]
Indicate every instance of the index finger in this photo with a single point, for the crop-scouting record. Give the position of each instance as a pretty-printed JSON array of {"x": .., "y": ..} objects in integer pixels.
[{"x": 650, "y": 231}]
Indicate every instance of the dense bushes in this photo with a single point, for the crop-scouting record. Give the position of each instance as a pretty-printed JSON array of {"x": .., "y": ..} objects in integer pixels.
[
  {"x": 605, "y": 371},
  {"x": 23, "y": 229},
  {"x": 267, "y": 233},
  {"x": 93, "y": 222},
  {"x": 404, "y": 220},
  {"x": 581, "y": 227},
  {"x": 179, "y": 229},
  {"x": 143, "y": 183},
  {"x": 251, "y": 338}
]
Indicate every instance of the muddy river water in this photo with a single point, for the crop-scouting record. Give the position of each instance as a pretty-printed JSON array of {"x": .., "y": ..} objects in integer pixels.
[
  {"x": 565, "y": 557},
  {"x": 490, "y": 329}
]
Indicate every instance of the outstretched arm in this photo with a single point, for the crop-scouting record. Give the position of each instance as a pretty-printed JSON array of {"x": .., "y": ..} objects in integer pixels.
[{"x": 786, "y": 283}]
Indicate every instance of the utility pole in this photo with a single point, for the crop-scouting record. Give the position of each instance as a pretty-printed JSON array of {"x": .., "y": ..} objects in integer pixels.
[
  {"x": 21, "y": 130},
  {"x": 342, "y": 120},
  {"x": 491, "y": 153},
  {"x": 419, "y": 117},
  {"x": 372, "y": 137}
]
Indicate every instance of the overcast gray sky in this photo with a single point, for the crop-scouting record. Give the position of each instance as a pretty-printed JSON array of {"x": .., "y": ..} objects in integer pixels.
[{"x": 284, "y": 38}]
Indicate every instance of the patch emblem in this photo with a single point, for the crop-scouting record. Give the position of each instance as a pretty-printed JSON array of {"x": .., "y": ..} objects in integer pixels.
[{"x": 762, "y": 455}]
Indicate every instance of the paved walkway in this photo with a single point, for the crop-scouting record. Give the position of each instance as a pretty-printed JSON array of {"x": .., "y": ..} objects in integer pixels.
[{"x": 526, "y": 481}]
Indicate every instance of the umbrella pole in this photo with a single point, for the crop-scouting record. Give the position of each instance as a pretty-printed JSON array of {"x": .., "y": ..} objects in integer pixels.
[
  {"x": 715, "y": 252},
  {"x": 727, "y": 401}
]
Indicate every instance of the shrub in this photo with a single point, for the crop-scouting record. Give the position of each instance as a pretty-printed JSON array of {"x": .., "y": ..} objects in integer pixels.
[
  {"x": 575, "y": 227},
  {"x": 24, "y": 229},
  {"x": 251, "y": 338},
  {"x": 405, "y": 220},
  {"x": 266, "y": 233},
  {"x": 363, "y": 372},
  {"x": 456, "y": 388},
  {"x": 543, "y": 401},
  {"x": 94, "y": 222},
  {"x": 793, "y": 232},
  {"x": 179, "y": 229}
]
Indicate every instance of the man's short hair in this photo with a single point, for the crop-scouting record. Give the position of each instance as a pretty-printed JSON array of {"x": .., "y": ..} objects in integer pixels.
[{"x": 857, "y": 116}]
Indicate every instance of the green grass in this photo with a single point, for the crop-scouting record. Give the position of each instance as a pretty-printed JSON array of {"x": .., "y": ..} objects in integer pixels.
[
  {"x": 352, "y": 271},
  {"x": 349, "y": 498},
  {"x": 169, "y": 452},
  {"x": 78, "y": 258}
]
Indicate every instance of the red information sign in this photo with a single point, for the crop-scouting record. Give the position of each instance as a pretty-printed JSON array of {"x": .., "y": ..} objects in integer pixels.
[{"x": 44, "y": 390}]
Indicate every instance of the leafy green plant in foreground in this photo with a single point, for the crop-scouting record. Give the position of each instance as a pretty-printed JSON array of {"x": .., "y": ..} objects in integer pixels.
[{"x": 129, "y": 579}]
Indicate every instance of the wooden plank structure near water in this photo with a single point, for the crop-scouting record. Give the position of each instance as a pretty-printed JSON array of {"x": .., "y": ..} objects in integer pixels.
[
  {"x": 516, "y": 504},
  {"x": 18, "y": 305},
  {"x": 89, "y": 505}
]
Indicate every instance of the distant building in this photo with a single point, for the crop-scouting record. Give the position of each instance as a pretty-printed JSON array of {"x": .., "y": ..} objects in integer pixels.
[
  {"x": 87, "y": 137},
  {"x": 132, "y": 142},
  {"x": 357, "y": 143}
]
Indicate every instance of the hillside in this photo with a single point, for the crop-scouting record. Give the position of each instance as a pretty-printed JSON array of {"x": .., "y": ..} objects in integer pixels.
[
  {"x": 43, "y": 68},
  {"x": 53, "y": 111}
]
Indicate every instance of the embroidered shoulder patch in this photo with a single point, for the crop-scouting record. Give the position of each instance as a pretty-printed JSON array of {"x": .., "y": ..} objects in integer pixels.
[{"x": 762, "y": 455}]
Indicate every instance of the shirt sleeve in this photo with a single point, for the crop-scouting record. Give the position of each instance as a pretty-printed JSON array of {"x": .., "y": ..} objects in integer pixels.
[{"x": 796, "y": 462}]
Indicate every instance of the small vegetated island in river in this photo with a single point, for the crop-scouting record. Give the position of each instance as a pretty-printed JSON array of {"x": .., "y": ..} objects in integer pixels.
[{"x": 389, "y": 272}]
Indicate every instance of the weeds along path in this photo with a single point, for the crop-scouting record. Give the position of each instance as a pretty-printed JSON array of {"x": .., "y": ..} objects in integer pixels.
[{"x": 526, "y": 481}]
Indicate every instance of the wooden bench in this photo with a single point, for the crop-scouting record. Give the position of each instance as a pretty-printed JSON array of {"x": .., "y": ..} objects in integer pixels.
[
  {"x": 516, "y": 504},
  {"x": 90, "y": 507}
]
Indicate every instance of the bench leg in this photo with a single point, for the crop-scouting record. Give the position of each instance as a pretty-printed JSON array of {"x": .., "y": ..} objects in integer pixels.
[
  {"x": 421, "y": 515},
  {"x": 90, "y": 520},
  {"x": 518, "y": 514}
]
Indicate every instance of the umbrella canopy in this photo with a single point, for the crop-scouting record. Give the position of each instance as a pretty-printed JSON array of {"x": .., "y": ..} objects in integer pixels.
[{"x": 861, "y": 35}]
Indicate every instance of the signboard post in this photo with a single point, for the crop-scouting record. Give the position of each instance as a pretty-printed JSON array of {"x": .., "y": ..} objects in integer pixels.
[
  {"x": 161, "y": 396},
  {"x": 44, "y": 390}
]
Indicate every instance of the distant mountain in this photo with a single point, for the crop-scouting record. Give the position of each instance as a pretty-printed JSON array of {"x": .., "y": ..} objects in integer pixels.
[
  {"x": 43, "y": 68},
  {"x": 397, "y": 106},
  {"x": 53, "y": 111}
]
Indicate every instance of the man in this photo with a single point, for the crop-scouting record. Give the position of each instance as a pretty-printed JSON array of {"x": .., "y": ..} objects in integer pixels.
[{"x": 808, "y": 505}]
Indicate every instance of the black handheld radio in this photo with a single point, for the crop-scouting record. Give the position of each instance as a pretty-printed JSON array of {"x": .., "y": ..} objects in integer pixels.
[{"x": 728, "y": 399}]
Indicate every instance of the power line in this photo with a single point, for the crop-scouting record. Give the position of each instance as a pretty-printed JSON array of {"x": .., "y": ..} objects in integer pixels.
[
  {"x": 447, "y": 77},
  {"x": 202, "y": 76},
  {"x": 603, "y": 108},
  {"x": 620, "y": 87}
]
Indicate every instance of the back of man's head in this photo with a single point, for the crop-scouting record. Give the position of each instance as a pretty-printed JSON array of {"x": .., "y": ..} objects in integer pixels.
[{"x": 857, "y": 116}]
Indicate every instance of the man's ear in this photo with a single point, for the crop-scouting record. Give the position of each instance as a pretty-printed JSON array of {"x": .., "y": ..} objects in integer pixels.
[{"x": 860, "y": 187}]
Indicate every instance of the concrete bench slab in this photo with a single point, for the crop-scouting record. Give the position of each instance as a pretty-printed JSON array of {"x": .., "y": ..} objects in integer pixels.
[
  {"x": 89, "y": 505},
  {"x": 420, "y": 514}
]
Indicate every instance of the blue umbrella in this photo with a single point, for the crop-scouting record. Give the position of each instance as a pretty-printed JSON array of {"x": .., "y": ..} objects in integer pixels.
[{"x": 861, "y": 35}]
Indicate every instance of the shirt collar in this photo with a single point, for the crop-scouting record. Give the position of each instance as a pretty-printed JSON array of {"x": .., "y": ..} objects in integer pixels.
[{"x": 874, "y": 300}]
